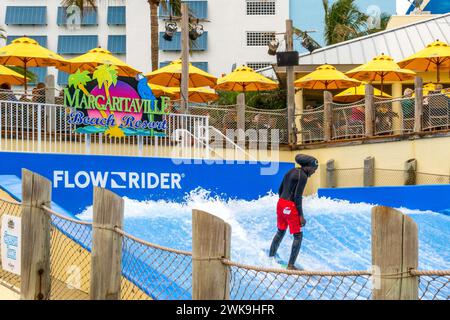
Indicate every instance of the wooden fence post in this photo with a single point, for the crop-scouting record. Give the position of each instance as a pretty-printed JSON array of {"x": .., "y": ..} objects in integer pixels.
[
  {"x": 395, "y": 252},
  {"x": 331, "y": 174},
  {"x": 211, "y": 242},
  {"x": 418, "y": 105},
  {"x": 106, "y": 256},
  {"x": 369, "y": 111},
  {"x": 409, "y": 177},
  {"x": 35, "y": 259},
  {"x": 369, "y": 172},
  {"x": 327, "y": 115}
]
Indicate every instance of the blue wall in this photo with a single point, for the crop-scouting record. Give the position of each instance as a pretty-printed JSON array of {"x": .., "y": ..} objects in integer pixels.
[
  {"x": 242, "y": 181},
  {"x": 423, "y": 197}
]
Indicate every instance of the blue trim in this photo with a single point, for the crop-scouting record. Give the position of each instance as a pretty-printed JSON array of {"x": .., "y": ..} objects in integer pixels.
[
  {"x": 117, "y": 44},
  {"x": 201, "y": 44},
  {"x": 26, "y": 15},
  {"x": 42, "y": 40},
  {"x": 117, "y": 15},
  {"x": 76, "y": 44},
  {"x": 89, "y": 17}
]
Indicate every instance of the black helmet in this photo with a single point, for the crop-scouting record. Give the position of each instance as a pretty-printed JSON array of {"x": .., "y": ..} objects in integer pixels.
[{"x": 306, "y": 161}]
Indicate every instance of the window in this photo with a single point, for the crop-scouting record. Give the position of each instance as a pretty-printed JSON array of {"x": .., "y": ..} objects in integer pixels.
[
  {"x": 89, "y": 17},
  {"x": 260, "y": 8},
  {"x": 116, "y": 15},
  {"x": 76, "y": 44},
  {"x": 258, "y": 65},
  {"x": 259, "y": 39},
  {"x": 26, "y": 15},
  {"x": 201, "y": 44},
  {"x": 198, "y": 9},
  {"x": 117, "y": 44},
  {"x": 200, "y": 65},
  {"x": 42, "y": 40}
]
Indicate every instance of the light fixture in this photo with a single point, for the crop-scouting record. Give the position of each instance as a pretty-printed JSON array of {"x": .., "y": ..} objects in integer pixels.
[
  {"x": 171, "y": 28},
  {"x": 273, "y": 46},
  {"x": 309, "y": 43},
  {"x": 196, "y": 31}
]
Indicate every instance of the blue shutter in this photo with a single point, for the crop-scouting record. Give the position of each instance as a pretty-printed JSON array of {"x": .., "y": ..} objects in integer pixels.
[
  {"x": 117, "y": 15},
  {"x": 62, "y": 78},
  {"x": 42, "y": 40},
  {"x": 198, "y": 9},
  {"x": 200, "y": 65},
  {"x": 89, "y": 17},
  {"x": 40, "y": 72},
  {"x": 201, "y": 44},
  {"x": 117, "y": 44},
  {"x": 76, "y": 44},
  {"x": 26, "y": 15}
]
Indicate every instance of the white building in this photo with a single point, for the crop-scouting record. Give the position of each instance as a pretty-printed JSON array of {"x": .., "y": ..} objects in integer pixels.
[{"x": 237, "y": 31}]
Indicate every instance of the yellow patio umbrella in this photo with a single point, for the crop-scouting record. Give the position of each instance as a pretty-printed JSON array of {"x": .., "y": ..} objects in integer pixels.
[
  {"x": 25, "y": 52},
  {"x": 95, "y": 57},
  {"x": 357, "y": 93},
  {"x": 10, "y": 76},
  {"x": 326, "y": 77},
  {"x": 160, "y": 90},
  {"x": 381, "y": 68},
  {"x": 435, "y": 57},
  {"x": 170, "y": 76},
  {"x": 244, "y": 79},
  {"x": 199, "y": 95}
]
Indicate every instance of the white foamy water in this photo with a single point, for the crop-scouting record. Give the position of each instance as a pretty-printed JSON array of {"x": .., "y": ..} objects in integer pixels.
[{"x": 336, "y": 237}]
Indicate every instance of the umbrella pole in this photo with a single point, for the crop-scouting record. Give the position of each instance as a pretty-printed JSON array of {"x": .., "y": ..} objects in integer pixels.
[
  {"x": 25, "y": 76},
  {"x": 437, "y": 72}
]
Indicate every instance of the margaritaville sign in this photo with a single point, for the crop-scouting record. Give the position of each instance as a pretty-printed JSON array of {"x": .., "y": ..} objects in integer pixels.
[{"x": 117, "y": 107}]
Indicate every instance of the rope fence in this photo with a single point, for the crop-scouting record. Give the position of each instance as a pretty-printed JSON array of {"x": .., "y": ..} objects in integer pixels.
[
  {"x": 257, "y": 283},
  {"x": 70, "y": 257},
  {"x": 153, "y": 272}
]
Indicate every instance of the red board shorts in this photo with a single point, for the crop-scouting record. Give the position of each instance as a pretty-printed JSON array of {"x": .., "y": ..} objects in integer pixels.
[{"x": 287, "y": 215}]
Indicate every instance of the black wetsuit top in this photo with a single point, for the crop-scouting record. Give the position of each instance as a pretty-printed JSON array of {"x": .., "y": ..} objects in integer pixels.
[{"x": 292, "y": 187}]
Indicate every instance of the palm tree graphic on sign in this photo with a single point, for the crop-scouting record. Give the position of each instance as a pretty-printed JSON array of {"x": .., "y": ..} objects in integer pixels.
[{"x": 106, "y": 76}]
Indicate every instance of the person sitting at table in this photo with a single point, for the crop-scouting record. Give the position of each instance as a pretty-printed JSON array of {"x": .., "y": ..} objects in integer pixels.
[
  {"x": 38, "y": 93},
  {"x": 6, "y": 92},
  {"x": 408, "y": 105}
]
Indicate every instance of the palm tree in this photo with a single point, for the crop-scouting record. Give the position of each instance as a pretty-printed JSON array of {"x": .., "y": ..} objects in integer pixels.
[
  {"x": 2, "y": 33},
  {"x": 106, "y": 76},
  {"x": 78, "y": 80},
  {"x": 175, "y": 8},
  {"x": 343, "y": 21}
]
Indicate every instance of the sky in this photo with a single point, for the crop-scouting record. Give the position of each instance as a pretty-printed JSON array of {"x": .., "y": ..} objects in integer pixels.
[{"x": 309, "y": 15}]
